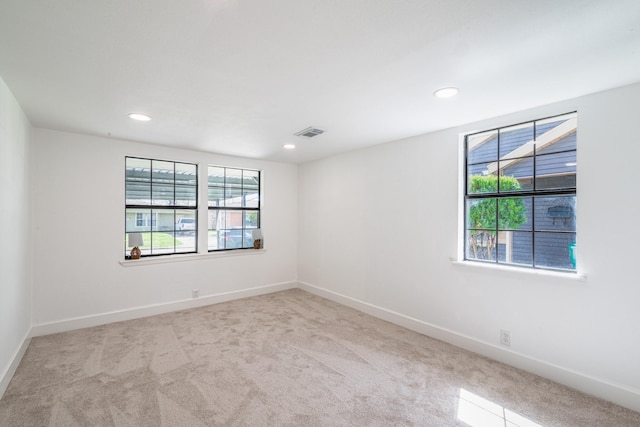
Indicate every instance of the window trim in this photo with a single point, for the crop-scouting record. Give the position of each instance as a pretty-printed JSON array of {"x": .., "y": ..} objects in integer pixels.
[
  {"x": 533, "y": 193},
  {"x": 182, "y": 257},
  {"x": 155, "y": 208},
  {"x": 257, "y": 209}
]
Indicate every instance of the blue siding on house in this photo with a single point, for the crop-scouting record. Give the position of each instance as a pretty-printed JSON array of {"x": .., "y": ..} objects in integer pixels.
[
  {"x": 511, "y": 140},
  {"x": 477, "y": 169},
  {"x": 520, "y": 169},
  {"x": 557, "y": 172},
  {"x": 569, "y": 142},
  {"x": 547, "y": 219},
  {"x": 556, "y": 216},
  {"x": 548, "y": 164},
  {"x": 542, "y": 128},
  {"x": 487, "y": 152},
  {"x": 551, "y": 160},
  {"x": 522, "y": 249},
  {"x": 551, "y": 250}
]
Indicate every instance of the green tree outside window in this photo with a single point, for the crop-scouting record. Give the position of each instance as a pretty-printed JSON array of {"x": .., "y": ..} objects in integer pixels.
[{"x": 482, "y": 213}]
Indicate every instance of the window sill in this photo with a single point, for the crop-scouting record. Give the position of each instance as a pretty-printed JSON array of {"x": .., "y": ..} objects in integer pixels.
[
  {"x": 533, "y": 271},
  {"x": 189, "y": 257}
]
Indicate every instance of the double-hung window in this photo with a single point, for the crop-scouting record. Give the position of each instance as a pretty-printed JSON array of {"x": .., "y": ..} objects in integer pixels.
[
  {"x": 234, "y": 207},
  {"x": 161, "y": 206},
  {"x": 520, "y": 197}
]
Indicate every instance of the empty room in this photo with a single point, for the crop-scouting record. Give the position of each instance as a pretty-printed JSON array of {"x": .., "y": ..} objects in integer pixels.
[{"x": 319, "y": 213}]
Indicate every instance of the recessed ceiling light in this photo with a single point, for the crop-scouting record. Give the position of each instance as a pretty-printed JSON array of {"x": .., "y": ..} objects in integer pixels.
[
  {"x": 289, "y": 146},
  {"x": 446, "y": 92},
  {"x": 140, "y": 117}
]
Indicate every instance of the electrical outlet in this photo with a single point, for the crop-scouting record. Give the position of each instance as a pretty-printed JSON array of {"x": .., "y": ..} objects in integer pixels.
[
  {"x": 505, "y": 337},
  {"x": 195, "y": 293}
]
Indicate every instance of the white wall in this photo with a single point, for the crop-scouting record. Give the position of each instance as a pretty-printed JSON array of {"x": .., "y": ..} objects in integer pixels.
[
  {"x": 379, "y": 226},
  {"x": 15, "y": 255},
  {"x": 79, "y": 219}
]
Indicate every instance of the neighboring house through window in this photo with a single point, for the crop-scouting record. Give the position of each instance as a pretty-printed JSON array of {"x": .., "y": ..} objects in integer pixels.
[
  {"x": 161, "y": 205},
  {"x": 145, "y": 219},
  {"x": 234, "y": 207},
  {"x": 520, "y": 197}
]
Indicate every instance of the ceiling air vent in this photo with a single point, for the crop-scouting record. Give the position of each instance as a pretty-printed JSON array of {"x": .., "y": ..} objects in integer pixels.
[{"x": 309, "y": 132}]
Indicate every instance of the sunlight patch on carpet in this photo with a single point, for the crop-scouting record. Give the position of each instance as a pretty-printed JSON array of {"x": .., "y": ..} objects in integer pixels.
[{"x": 479, "y": 412}]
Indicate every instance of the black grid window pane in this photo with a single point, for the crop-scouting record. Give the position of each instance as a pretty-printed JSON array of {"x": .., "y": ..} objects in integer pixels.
[
  {"x": 556, "y": 170},
  {"x": 515, "y": 248},
  {"x": 247, "y": 239},
  {"x": 251, "y": 198},
  {"x": 186, "y": 195},
  {"x": 161, "y": 206},
  {"x": 162, "y": 243},
  {"x": 164, "y": 219},
  {"x": 482, "y": 147},
  {"x": 481, "y": 245},
  {"x": 481, "y": 214},
  {"x": 138, "y": 193},
  {"x": 138, "y": 181},
  {"x": 516, "y": 174},
  {"x": 538, "y": 161},
  {"x": 185, "y": 230},
  {"x": 216, "y": 196},
  {"x": 162, "y": 171},
  {"x": 186, "y": 174},
  {"x": 516, "y": 141},
  {"x": 481, "y": 178},
  {"x": 162, "y": 194},
  {"x": 214, "y": 227},
  {"x": 234, "y": 207},
  {"x": 233, "y": 197},
  {"x": 554, "y": 250},
  {"x": 556, "y": 213},
  {"x": 233, "y": 178},
  {"x": 216, "y": 176},
  {"x": 514, "y": 213},
  {"x": 138, "y": 220},
  {"x": 561, "y": 128},
  {"x": 251, "y": 219}
]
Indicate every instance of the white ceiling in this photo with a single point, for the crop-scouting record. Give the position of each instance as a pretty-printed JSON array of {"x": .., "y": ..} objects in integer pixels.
[{"x": 240, "y": 77}]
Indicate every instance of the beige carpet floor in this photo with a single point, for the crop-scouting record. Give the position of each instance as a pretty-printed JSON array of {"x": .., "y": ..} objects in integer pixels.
[{"x": 284, "y": 359}]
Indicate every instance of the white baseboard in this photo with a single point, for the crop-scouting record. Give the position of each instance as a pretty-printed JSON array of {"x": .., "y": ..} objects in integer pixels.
[
  {"x": 607, "y": 390},
  {"x": 152, "y": 310},
  {"x": 5, "y": 379}
]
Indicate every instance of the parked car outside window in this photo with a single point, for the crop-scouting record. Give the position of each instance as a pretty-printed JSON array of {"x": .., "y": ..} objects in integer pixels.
[
  {"x": 232, "y": 239},
  {"x": 186, "y": 224}
]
